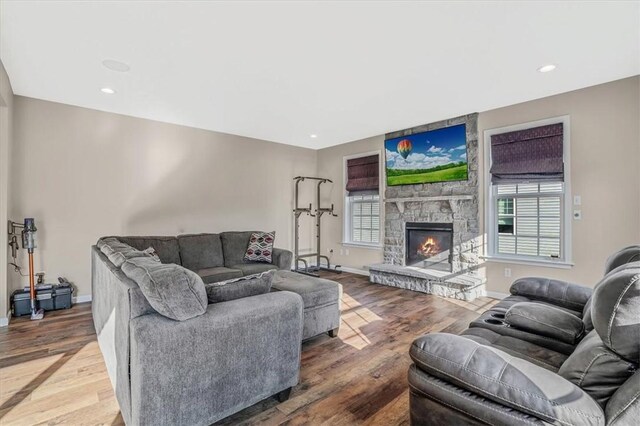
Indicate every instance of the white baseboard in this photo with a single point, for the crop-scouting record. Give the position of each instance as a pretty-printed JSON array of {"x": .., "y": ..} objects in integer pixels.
[
  {"x": 82, "y": 298},
  {"x": 496, "y": 295},
  {"x": 4, "y": 321},
  {"x": 354, "y": 270}
]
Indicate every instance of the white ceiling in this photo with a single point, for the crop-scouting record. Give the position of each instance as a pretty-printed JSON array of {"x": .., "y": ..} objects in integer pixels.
[{"x": 281, "y": 71}]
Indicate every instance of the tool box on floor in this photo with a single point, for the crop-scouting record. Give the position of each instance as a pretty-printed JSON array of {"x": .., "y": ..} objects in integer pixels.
[{"x": 50, "y": 297}]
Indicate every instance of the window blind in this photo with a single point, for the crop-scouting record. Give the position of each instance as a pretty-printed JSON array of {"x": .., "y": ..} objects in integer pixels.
[
  {"x": 363, "y": 174},
  {"x": 530, "y": 155}
]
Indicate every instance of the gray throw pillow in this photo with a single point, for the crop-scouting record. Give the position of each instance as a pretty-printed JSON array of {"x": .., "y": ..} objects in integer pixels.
[
  {"x": 118, "y": 252},
  {"x": 172, "y": 290},
  {"x": 237, "y": 288}
]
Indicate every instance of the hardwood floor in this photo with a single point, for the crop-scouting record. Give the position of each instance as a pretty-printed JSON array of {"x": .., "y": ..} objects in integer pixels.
[{"x": 52, "y": 372}]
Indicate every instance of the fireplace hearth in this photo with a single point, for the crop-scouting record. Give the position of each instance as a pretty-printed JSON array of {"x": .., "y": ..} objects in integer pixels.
[{"x": 429, "y": 245}]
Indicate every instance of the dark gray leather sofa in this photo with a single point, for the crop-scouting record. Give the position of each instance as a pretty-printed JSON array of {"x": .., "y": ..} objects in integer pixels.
[{"x": 552, "y": 363}]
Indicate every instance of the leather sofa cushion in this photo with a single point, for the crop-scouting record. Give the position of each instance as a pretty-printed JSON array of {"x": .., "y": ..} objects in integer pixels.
[
  {"x": 506, "y": 303},
  {"x": 166, "y": 247},
  {"x": 254, "y": 268},
  {"x": 545, "y": 321},
  {"x": 172, "y": 290},
  {"x": 622, "y": 257},
  {"x": 615, "y": 308},
  {"x": 200, "y": 251},
  {"x": 529, "y": 351},
  {"x": 555, "y": 292},
  {"x": 507, "y": 380},
  {"x": 595, "y": 369},
  {"x": 219, "y": 273},
  {"x": 234, "y": 246},
  {"x": 238, "y": 288}
]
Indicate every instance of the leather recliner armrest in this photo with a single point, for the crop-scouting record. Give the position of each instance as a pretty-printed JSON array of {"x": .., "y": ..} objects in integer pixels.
[
  {"x": 559, "y": 293},
  {"x": 507, "y": 380},
  {"x": 545, "y": 320}
]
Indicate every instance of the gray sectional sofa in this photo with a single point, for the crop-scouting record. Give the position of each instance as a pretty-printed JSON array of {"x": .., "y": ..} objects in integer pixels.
[
  {"x": 211, "y": 364},
  {"x": 551, "y": 353}
]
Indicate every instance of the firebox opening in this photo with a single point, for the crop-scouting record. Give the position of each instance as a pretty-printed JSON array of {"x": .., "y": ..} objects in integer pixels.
[{"x": 429, "y": 245}]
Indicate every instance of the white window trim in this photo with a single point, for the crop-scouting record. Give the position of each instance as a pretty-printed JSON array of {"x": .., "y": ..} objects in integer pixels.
[
  {"x": 492, "y": 254},
  {"x": 346, "y": 221}
]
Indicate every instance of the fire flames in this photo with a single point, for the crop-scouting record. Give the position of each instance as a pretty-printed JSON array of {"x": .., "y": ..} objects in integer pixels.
[{"x": 429, "y": 247}]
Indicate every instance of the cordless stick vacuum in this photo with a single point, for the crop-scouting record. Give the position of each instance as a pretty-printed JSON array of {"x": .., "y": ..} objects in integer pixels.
[{"x": 29, "y": 242}]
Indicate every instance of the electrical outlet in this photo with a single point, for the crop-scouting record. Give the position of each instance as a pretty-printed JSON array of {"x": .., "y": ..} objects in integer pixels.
[
  {"x": 346, "y": 252},
  {"x": 577, "y": 200},
  {"x": 577, "y": 214},
  {"x": 507, "y": 272},
  {"x": 341, "y": 252}
]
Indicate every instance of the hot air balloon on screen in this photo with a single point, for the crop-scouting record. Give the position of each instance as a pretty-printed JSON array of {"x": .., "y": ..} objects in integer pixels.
[{"x": 404, "y": 148}]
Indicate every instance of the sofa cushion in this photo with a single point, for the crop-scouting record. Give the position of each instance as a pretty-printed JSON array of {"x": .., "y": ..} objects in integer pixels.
[
  {"x": 166, "y": 247},
  {"x": 254, "y": 268},
  {"x": 614, "y": 310},
  {"x": 596, "y": 369},
  {"x": 529, "y": 351},
  {"x": 314, "y": 291},
  {"x": 219, "y": 273},
  {"x": 238, "y": 288},
  {"x": 118, "y": 252},
  {"x": 200, "y": 251},
  {"x": 234, "y": 246},
  {"x": 260, "y": 247},
  {"x": 555, "y": 292},
  {"x": 172, "y": 290},
  {"x": 546, "y": 321}
]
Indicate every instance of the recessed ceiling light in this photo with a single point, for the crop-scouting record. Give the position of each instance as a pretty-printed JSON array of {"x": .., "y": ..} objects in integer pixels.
[
  {"x": 114, "y": 65},
  {"x": 108, "y": 90},
  {"x": 313, "y": 136},
  {"x": 547, "y": 68}
]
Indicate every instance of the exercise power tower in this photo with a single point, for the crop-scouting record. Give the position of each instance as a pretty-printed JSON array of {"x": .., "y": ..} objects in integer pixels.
[{"x": 317, "y": 214}]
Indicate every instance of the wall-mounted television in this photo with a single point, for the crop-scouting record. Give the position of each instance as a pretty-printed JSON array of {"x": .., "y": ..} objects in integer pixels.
[{"x": 438, "y": 155}]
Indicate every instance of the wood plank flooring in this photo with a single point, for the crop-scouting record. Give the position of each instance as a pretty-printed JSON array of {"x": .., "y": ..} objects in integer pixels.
[{"x": 52, "y": 371}]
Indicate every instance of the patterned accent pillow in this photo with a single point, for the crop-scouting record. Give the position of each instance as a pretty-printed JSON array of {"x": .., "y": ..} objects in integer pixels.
[{"x": 260, "y": 247}]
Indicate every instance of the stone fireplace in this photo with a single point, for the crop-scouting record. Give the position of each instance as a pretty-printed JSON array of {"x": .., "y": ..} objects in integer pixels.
[{"x": 447, "y": 212}]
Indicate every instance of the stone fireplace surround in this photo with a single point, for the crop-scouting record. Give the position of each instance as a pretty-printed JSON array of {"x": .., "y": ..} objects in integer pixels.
[{"x": 445, "y": 202}]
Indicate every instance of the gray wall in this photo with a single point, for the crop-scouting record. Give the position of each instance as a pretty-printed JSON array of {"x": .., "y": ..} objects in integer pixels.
[
  {"x": 84, "y": 173},
  {"x": 605, "y": 153}
]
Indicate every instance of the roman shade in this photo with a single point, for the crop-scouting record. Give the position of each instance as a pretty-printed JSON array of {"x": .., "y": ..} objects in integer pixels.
[
  {"x": 363, "y": 174},
  {"x": 530, "y": 155}
]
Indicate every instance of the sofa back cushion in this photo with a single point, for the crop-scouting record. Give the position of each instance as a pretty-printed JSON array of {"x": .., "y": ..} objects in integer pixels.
[
  {"x": 172, "y": 290},
  {"x": 234, "y": 246},
  {"x": 201, "y": 251},
  {"x": 596, "y": 369},
  {"x": 166, "y": 248},
  {"x": 118, "y": 252}
]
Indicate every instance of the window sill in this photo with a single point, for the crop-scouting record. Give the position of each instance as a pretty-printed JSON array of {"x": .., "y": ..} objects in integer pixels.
[
  {"x": 363, "y": 245},
  {"x": 559, "y": 264}
]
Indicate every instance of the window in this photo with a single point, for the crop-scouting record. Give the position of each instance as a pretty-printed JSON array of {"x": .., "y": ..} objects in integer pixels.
[
  {"x": 528, "y": 192},
  {"x": 529, "y": 219},
  {"x": 362, "y": 200},
  {"x": 365, "y": 219}
]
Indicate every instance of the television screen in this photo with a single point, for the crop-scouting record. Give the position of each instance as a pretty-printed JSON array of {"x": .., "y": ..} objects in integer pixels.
[{"x": 434, "y": 156}]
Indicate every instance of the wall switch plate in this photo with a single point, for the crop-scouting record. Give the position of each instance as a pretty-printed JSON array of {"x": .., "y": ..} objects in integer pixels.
[
  {"x": 507, "y": 272},
  {"x": 577, "y": 200},
  {"x": 577, "y": 214}
]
